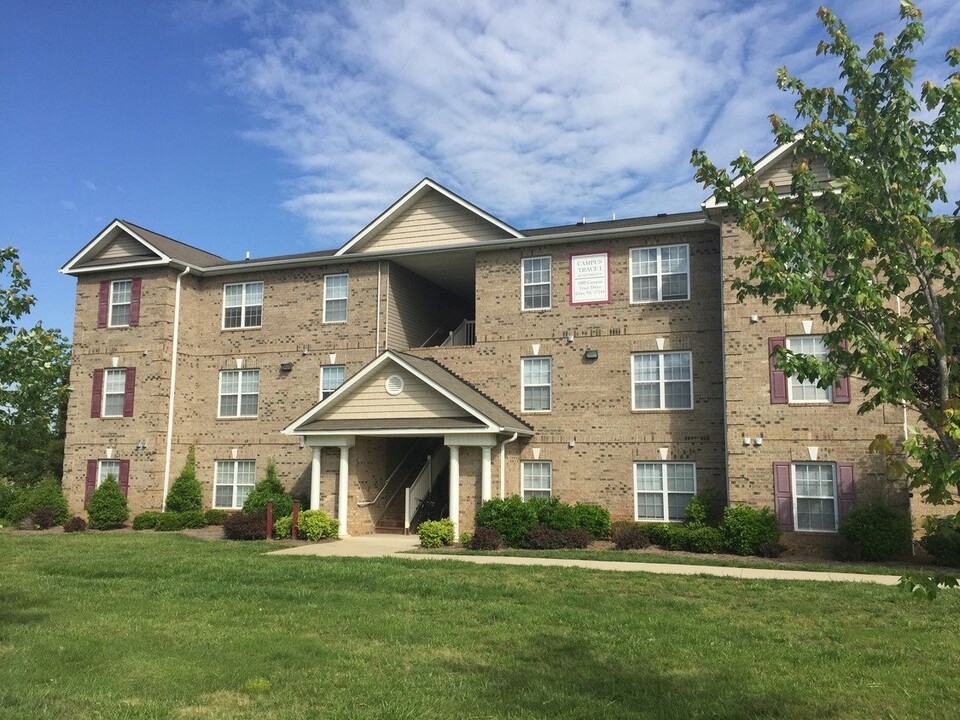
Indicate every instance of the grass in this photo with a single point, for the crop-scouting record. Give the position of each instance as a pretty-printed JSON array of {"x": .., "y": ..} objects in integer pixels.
[{"x": 143, "y": 625}]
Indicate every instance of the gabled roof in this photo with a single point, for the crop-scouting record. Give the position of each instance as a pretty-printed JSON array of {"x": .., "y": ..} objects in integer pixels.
[
  {"x": 140, "y": 247},
  {"x": 479, "y": 413},
  {"x": 763, "y": 163},
  {"x": 406, "y": 202}
]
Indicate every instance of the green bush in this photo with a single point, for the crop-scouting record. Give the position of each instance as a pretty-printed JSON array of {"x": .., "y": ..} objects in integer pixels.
[
  {"x": 185, "y": 493},
  {"x": 171, "y": 521},
  {"x": 465, "y": 538},
  {"x": 269, "y": 488},
  {"x": 878, "y": 530},
  {"x": 215, "y": 516},
  {"x": 45, "y": 494},
  {"x": 434, "y": 533},
  {"x": 107, "y": 508},
  {"x": 9, "y": 493},
  {"x": 283, "y": 527},
  {"x": 553, "y": 513},
  {"x": 592, "y": 518},
  {"x": 628, "y": 535},
  {"x": 677, "y": 537},
  {"x": 659, "y": 533},
  {"x": 745, "y": 529},
  {"x": 194, "y": 519},
  {"x": 512, "y": 518},
  {"x": 942, "y": 540},
  {"x": 698, "y": 510},
  {"x": 704, "y": 539},
  {"x": 315, "y": 525},
  {"x": 146, "y": 520}
]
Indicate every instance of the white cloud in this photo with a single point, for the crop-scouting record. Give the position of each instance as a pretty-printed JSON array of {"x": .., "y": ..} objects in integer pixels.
[
  {"x": 89, "y": 185},
  {"x": 68, "y": 205},
  {"x": 540, "y": 112}
]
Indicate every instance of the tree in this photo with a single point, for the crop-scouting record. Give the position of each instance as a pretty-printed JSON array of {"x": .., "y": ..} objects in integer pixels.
[
  {"x": 868, "y": 251},
  {"x": 34, "y": 372},
  {"x": 185, "y": 493}
]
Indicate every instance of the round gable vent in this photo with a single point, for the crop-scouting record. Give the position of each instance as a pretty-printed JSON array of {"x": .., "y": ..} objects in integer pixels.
[{"x": 394, "y": 385}]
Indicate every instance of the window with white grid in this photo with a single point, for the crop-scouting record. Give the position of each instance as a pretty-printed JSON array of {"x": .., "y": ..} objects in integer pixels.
[
  {"x": 806, "y": 391},
  {"x": 239, "y": 393},
  {"x": 536, "y": 283},
  {"x": 660, "y": 273},
  {"x": 242, "y": 305},
  {"x": 537, "y": 479},
  {"x": 121, "y": 295},
  {"x": 537, "y": 379},
  {"x": 114, "y": 391},
  {"x": 331, "y": 377},
  {"x": 663, "y": 490},
  {"x": 335, "y": 298},
  {"x": 232, "y": 483},
  {"x": 815, "y": 496},
  {"x": 107, "y": 468},
  {"x": 662, "y": 381}
]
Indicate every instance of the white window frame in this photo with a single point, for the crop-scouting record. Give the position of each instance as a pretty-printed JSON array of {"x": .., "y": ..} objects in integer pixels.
[
  {"x": 101, "y": 475},
  {"x": 662, "y": 382},
  {"x": 795, "y": 497},
  {"x": 664, "y": 491},
  {"x": 239, "y": 394},
  {"x": 634, "y": 275},
  {"x": 128, "y": 304},
  {"x": 245, "y": 288},
  {"x": 235, "y": 504},
  {"x": 524, "y": 284},
  {"x": 120, "y": 373},
  {"x": 523, "y": 384},
  {"x": 328, "y": 299},
  {"x": 325, "y": 370},
  {"x": 825, "y": 395},
  {"x": 526, "y": 465}
]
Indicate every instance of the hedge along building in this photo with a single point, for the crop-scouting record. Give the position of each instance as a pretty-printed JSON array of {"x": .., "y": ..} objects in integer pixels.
[{"x": 441, "y": 357}]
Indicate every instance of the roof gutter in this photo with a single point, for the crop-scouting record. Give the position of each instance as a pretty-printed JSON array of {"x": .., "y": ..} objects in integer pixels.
[{"x": 173, "y": 387}]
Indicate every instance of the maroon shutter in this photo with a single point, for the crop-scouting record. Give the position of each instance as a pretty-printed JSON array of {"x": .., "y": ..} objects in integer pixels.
[
  {"x": 91, "y": 481},
  {"x": 778, "y": 378},
  {"x": 845, "y": 488},
  {"x": 130, "y": 381},
  {"x": 135, "y": 302},
  {"x": 124, "y": 476},
  {"x": 103, "y": 308},
  {"x": 841, "y": 390},
  {"x": 96, "y": 403},
  {"x": 782, "y": 494}
]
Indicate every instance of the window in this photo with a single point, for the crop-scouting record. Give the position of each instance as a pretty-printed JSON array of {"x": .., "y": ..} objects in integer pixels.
[
  {"x": 663, "y": 490},
  {"x": 335, "y": 298},
  {"x": 331, "y": 377},
  {"x": 806, "y": 391},
  {"x": 815, "y": 496},
  {"x": 662, "y": 381},
  {"x": 242, "y": 305},
  {"x": 537, "y": 479},
  {"x": 536, "y": 283},
  {"x": 660, "y": 273},
  {"x": 537, "y": 377},
  {"x": 114, "y": 391},
  {"x": 233, "y": 481},
  {"x": 108, "y": 467},
  {"x": 121, "y": 296},
  {"x": 239, "y": 393}
]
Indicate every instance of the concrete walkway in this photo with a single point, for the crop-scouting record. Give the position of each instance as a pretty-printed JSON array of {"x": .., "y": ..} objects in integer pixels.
[{"x": 400, "y": 546}]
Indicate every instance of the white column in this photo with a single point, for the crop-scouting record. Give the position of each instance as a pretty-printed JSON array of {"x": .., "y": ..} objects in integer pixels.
[
  {"x": 455, "y": 489},
  {"x": 485, "y": 489},
  {"x": 342, "y": 482},
  {"x": 315, "y": 480}
]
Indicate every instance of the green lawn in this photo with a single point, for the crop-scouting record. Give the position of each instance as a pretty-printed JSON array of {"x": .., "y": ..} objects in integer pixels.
[{"x": 143, "y": 625}]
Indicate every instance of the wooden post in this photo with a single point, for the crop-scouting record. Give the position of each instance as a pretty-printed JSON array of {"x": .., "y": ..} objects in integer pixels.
[
  {"x": 269, "y": 519},
  {"x": 295, "y": 519}
]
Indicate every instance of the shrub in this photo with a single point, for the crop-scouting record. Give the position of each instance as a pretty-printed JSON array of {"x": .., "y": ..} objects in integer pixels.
[
  {"x": 629, "y": 536},
  {"x": 193, "y": 519},
  {"x": 745, "y": 529},
  {"x": 43, "y": 518},
  {"x": 942, "y": 540},
  {"x": 108, "y": 506},
  {"x": 542, "y": 537},
  {"x": 9, "y": 493},
  {"x": 170, "y": 522},
  {"x": 186, "y": 494},
  {"x": 592, "y": 518},
  {"x": 45, "y": 494},
  {"x": 771, "y": 550},
  {"x": 216, "y": 517},
  {"x": 75, "y": 524},
  {"x": 512, "y": 518},
  {"x": 465, "y": 538},
  {"x": 283, "y": 527},
  {"x": 880, "y": 531},
  {"x": 659, "y": 533},
  {"x": 434, "y": 533},
  {"x": 576, "y": 538},
  {"x": 146, "y": 520},
  {"x": 485, "y": 538},
  {"x": 704, "y": 539},
  {"x": 269, "y": 488},
  {"x": 246, "y": 526},
  {"x": 315, "y": 525},
  {"x": 677, "y": 537},
  {"x": 553, "y": 513},
  {"x": 698, "y": 510}
]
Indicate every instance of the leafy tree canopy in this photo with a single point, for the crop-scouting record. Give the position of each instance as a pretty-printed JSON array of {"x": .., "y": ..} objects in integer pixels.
[{"x": 868, "y": 251}]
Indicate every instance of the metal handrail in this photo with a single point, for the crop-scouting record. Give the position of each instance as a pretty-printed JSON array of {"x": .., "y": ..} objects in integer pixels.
[
  {"x": 415, "y": 494},
  {"x": 432, "y": 335},
  {"x": 387, "y": 483},
  {"x": 465, "y": 334}
]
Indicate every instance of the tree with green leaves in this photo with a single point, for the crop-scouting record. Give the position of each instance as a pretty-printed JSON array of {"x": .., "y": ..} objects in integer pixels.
[
  {"x": 34, "y": 382},
  {"x": 868, "y": 251},
  {"x": 186, "y": 494}
]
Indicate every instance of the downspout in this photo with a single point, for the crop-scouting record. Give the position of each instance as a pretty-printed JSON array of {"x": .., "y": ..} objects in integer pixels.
[
  {"x": 173, "y": 386},
  {"x": 503, "y": 463}
]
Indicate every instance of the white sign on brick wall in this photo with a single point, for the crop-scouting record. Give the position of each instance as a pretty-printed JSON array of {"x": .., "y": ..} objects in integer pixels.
[{"x": 589, "y": 278}]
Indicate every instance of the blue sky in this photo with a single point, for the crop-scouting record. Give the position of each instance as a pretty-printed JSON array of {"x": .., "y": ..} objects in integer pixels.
[{"x": 276, "y": 127}]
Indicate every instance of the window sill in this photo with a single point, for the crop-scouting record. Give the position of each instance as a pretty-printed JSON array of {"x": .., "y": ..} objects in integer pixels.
[
  {"x": 237, "y": 417},
  {"x": 642, "y": 411},
  {"x": 659, "y": 302},
  {"x": 334, "y": 322},
  {"x": 542, "y": 309},
  {"x": 234, "y": 329}
]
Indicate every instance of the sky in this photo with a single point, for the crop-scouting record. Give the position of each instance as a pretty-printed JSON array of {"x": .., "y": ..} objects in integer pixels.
[{"x": 281, "y": 127}]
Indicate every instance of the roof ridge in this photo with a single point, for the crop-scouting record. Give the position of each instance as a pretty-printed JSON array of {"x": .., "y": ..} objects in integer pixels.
[{"x": 167, "y": 237}]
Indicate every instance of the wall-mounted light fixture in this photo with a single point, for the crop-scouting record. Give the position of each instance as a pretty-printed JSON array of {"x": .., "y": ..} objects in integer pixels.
[
  {"x": 286, "y": 367},
  {"x": 569, "y": 336},
  {"x": 591, "y": 354},
  {"x": 142, "y": 445}
]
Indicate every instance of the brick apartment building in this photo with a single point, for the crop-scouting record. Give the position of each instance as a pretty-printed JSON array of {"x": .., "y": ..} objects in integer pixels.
[{"x": 442, "y": 357}]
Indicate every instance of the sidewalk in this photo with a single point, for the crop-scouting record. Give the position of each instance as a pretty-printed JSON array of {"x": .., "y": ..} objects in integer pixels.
[{"x": 400, "y": 546}]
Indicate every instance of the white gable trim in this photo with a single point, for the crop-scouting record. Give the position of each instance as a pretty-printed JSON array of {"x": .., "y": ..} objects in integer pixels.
[
  {"x": 764, "y": 162},
  {"x": 97, "y": 244},
  {"x": 408, "y": 200}
]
